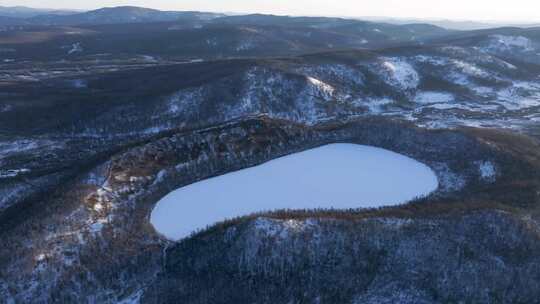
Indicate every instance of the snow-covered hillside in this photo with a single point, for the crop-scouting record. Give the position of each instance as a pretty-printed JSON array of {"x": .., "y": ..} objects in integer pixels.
[{"x": 451, "y": 86}]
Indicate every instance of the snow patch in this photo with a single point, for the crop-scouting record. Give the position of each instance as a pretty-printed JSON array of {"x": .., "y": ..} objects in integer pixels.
[
  {"x": 17, "y": 146},
  {"x": 148, "y": 58},
  {"x": 321, "y": 86},
  {"x": 135, "y": 298},
  {"x": 281, "y": 228},
  {"x": 399, "y": 73},
  {"x": 487, "y": 170},
  {"x": 471, "y": 69},
  {"x": 375, "y": 105},
  {"x": 339, "y": 73},
  {"x": 433, "y": 97},
  {"x": 40, "y": 257},
  {"x": 447, "y": 106},
  {"x": 12, "y": 172},
  {"x": 98, "y": 207},
  {"x": 520, "y": 95},
  {"x": 184, "y": 101},
  {"x": 432, "y": 60},
  {"x": 448, "y": 179},
  {"x": 506, "y": 43},
  {"x": 483, "y": 91},
  {"x": 75, "y": 48},
  {"x": 394, "y": 223}
]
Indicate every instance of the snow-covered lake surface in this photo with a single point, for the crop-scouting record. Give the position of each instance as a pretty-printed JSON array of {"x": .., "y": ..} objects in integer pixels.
[{"x": 340, "y": 176}]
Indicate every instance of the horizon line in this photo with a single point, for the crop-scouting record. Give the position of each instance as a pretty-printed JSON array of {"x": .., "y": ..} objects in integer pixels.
[{"x": 233, "y": 13}]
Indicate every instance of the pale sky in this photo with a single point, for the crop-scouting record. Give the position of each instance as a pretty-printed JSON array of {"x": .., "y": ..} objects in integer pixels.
[{"x": 500, "y": 10}]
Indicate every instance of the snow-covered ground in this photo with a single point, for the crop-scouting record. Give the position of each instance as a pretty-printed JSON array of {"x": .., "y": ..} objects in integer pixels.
[
  {"x": 507, "y": 43},
  {"x": 399, "y": 73},
  {"x": 433, "y": 97},
  {"x": 75, "y": 48},
  {"x": 339, "y": 176}
]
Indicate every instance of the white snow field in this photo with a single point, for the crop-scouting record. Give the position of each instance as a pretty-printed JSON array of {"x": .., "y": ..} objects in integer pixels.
[{"x": 341, "y": 176}]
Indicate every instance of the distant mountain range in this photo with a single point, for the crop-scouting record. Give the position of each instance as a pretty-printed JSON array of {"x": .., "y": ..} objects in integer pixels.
[
  {"x": 28, "y": 12},
  {"x": 464, "y": 25},
  {"x": 124, "y": 14},
  {"x": 194, "y": 36},
  {"x": 20, "y": 15},
  {"x": 131, "y": 31},
  {"x": 108, "y": 15}
]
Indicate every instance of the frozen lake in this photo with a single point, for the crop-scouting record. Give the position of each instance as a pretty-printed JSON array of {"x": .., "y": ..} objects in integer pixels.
[{"x": 340, "y": 176}]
